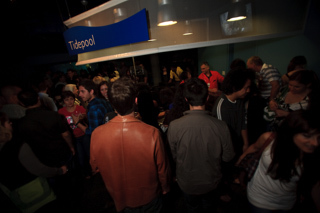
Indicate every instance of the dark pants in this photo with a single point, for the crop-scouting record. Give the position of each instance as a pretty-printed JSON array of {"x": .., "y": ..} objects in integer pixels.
[
  {"x": 83, "y": 152},
  {"x": 202, "y": 203},
  {"x": 254, "y": 209},
  {"x": 155, "y": 206}
]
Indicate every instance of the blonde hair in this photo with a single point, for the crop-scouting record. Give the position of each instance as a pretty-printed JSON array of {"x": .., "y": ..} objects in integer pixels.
[
  {"x": 98, "y": 79},
  {"x": 70, "y": 87}
]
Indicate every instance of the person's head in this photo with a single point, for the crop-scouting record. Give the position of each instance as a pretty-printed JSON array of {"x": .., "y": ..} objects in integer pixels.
[
  {"x": 122, "y": 95},
  {"x": 164, "y": 70},
  {"x": 68, "y": 98},
  {"x": 72, "y": 88},
  {"x": 70, "y": 73},
  {"x": 238, "y": 64},
  {"x": 28, "y": 98},
  {"x": 9, "y": 93},
  {"x": 5, "y": 128},
  {"x": 98, "y": 79},
  {"x": 174, "y": 66},
  {"x": 179, "y": 105},
  {"x": 103, "y": 89},
  {"x": 301, "y": 81},
  {"x": 61, "y": 77},
  {"x": 185, "y": 75},
  {"x": 43, "y": 87},
  {"x": 87, "y": 90},
  {"x": 297, "y": 62},
  {"x": 196, "y": 92},
  {"x": 166, "y": 96},
  {"x": 255, "y": 63},
  {"x": 298, "y": 134},
  {"x": 205, "y": 67},
  {"x": 237, "y": 82}
]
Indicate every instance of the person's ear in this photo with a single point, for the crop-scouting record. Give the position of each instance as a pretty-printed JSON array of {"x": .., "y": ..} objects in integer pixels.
[{"x": 91, "y": 92}]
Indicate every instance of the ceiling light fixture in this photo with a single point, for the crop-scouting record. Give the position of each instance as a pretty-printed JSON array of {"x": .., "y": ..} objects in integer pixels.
[
  {"x": 166, "y": 14},
  {"x": 188, "y": 28},
  {"x": 237, "y": 12}
]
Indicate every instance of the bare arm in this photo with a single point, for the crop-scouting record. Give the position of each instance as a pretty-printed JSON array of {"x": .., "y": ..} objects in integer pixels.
[
  {"x": 68, "y": 138},
  {"x": 35, "y": 166},
  {"x": 256, "y": 146},
  {"x": 77, "y": 118},
  {"x": 274, "y": 90},
  {"x": 244, "y": 134}
]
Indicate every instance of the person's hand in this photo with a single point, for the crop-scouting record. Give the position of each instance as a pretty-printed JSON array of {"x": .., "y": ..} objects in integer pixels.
[
  {"x": 164, "y": 192},
  {"x": 64, "y": 169},
  {"x": 75, "y": 118},
  {"x": 73, "y": 151},
  {"x": 273, "y": 105},
  {"x": 239, "y": 160}
]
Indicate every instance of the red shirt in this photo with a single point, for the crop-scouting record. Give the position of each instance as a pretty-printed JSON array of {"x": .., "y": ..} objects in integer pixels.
[
  {"x": 79, "y": 109},
  {"x": 213, "y": 80}
]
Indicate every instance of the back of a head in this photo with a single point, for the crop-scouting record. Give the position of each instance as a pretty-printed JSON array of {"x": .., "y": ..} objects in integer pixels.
[
  {"x": 42, "y": 86},
  {"x": 255, "y": 60},
  {"x": 238, "y": 64},
  {"x": 235, "y": 81},
  {"x": 297, "y": 62},
  {"x": 98, "y": 79},
  {"x": 196, "y": 92},
  {"x": 122, "y": 94},
  {"x": 69, "y": 87},
  {"x": 28, "y": 97}
]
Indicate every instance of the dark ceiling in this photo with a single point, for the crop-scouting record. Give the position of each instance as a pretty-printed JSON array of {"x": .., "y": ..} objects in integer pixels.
[{"x": 35, "y": 27}]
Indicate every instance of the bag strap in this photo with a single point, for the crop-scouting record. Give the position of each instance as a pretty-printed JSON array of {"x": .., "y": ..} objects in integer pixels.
[{"x": 266, "y": 143}]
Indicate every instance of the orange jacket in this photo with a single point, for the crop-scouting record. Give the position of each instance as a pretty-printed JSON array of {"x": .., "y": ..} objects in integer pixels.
[{"x": 131, "y": 159}]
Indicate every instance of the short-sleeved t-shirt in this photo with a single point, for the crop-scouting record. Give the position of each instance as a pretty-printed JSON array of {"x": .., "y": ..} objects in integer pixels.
[{"x": 79, "y": 110}]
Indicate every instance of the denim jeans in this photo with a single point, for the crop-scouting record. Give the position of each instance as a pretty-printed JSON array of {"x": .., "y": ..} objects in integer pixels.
[
  {"x": 202, "y": 203},
  {"x": 155, "y": 206}
]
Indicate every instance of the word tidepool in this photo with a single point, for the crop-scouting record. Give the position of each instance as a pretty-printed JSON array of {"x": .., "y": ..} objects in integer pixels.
[{"x": 74, "y": 45}]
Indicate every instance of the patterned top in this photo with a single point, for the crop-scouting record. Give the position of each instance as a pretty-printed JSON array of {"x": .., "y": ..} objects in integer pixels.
[
  {"x": 96, "y": 111},
  {"x": 270, "y": 115},
  {"x": 267, "y": 74}
]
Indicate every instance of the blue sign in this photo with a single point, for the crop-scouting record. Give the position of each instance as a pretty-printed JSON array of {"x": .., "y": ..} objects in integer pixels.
[{"x": 85, "y": 39}]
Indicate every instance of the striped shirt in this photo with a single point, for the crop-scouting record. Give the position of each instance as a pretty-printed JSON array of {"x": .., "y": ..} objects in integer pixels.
[{"x": 267, "y": 74}]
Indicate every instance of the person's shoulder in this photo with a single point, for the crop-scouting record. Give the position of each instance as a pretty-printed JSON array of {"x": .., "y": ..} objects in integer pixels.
[
  {"x": 201, "y": 75},
  {"x": 81, "y": 108},
  {"x": 62, "y": 110}
]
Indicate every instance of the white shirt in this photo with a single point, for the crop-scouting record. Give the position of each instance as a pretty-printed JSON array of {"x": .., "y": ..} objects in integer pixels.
[{"x": 267, "y": 193}]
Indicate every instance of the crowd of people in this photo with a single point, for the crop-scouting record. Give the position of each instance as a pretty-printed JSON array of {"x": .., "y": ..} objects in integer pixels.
[{"x": 145, "y": 142}]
